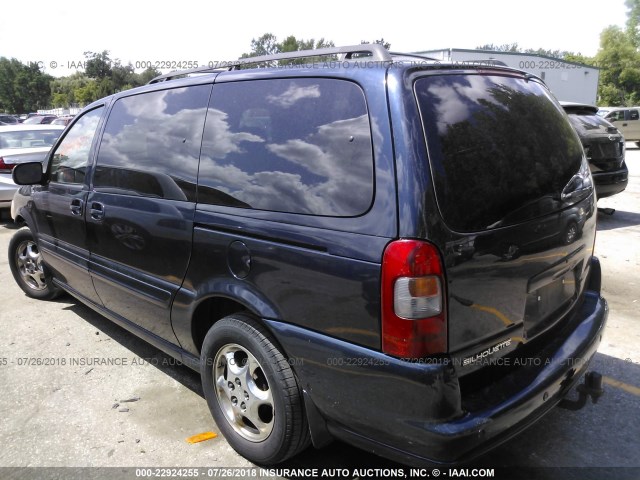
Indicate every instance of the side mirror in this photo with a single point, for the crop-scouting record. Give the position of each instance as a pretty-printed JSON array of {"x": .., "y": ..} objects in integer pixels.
[{"x": 28, "y": 173}]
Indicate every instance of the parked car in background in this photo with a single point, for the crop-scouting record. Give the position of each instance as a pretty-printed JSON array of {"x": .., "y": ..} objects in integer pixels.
[
  {"x": 604, "y": 146},
  {"x": 8, "y": 120},
  {"x": 627, "y": 120},
  {"x": 18, "y": 144},
  {"x": 39, "y": 119},
  {"x": 63, "y": 120}
]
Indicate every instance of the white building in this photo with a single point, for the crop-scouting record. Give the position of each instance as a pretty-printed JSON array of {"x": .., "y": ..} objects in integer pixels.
[{"x": 568, "y": 81}]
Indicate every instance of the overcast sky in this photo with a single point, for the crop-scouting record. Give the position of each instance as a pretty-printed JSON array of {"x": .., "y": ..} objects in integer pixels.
[{"x": 58, "y": 32}]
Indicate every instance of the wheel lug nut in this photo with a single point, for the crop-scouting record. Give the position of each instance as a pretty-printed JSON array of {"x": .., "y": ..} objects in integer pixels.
[
  {"x": 238, "y": 382},
  {"x": 231, "y": 385},
  {"x": 243, "y": 406},
  {"x": 246, "y": 395},
  {"x": 234, "y": 400}
]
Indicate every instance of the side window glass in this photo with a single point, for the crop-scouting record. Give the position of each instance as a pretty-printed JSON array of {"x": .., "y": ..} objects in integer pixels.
[
  {"x": 151, "y": 144},
  {"x": 633, "y": 115},
  {"x": 288, "y": 145},
  {"x": 617, "y": 115},
  {"x": 70, "y": 160}
]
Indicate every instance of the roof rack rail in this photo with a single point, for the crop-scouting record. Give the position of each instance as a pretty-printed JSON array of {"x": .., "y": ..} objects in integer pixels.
[
  {"x": 179, "y": 73},
  {"x": 377, "y": 53},
  {"x": 413, "y": 55}
]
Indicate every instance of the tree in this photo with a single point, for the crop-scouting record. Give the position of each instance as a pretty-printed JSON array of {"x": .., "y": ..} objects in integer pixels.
[
  {"x": 102, "y": 77},
  {"x": 268, "y": 44},
  {"x": 88, "y": 93},
  {"x": 514, "y": 48},
  {"x": 98, "y": 65},
  {"x": 506, "y": 47},
  {"x": 633, "y": 20},
  {"x": 149, "y": 74},
  {"x": 63, "y": 89},
  {"x": 23, "y": 88},
  {"x": 619, "y": 63},
  {"x": 123, "y": 76}
]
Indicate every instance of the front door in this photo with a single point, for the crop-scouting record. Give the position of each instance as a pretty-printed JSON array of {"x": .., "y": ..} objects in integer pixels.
[{"x": 59, "y": 207}]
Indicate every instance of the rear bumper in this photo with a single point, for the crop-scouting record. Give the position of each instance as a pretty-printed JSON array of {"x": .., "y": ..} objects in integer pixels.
[
  {"x": 7, "y": 189},
  {"x": 412, "y": 412},
  {"x": 611, "y": 183}
]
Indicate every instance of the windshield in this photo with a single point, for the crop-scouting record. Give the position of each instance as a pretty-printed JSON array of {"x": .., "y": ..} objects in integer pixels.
[{"x": 499, "y": 146}]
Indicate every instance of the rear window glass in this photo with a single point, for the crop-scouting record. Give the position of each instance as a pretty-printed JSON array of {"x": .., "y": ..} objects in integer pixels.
[
  {"x": 29, "y": 138},
  {"x": 588, "y": 121},
  {"x": 288, "y": 145},
  {"x": 499, "y": 147}
]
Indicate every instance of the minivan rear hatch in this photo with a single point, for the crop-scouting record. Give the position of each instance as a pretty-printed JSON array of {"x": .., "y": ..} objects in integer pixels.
[{"x": 516, "y": 209}]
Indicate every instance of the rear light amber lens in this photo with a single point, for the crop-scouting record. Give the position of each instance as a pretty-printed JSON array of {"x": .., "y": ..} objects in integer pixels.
[
  {"x": 414, "y": 323},
  {"x": 419, "y": 297}
]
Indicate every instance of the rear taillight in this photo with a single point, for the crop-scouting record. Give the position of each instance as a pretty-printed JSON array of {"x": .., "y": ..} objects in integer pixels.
[
  {"x": 414, "y": 322},
  {"x": 4, "y": 168}
]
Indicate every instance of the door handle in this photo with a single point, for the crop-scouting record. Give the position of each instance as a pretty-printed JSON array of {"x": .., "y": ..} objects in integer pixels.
[
  {"x": 76, "y": 206},
  {"x": 97, "y": 211},
  {"x": 624, "y": 124}
]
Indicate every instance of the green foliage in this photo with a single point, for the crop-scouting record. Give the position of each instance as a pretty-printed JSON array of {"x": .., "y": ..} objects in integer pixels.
[
  {"x": 633, "y": 20},
  {"x": 88, "y": 93},
  {"x": 98, "y": 65},
  {"x": 23, "y": 88},
  {"x": 149, "y": 74},
  {"x": 619, "y": 63},
  {"x": 268, "y": 44},
  {"x": 81, "y": 88},
  {"x": 507, "y": 47},
  {"x": 514, "y": 48},
  {"x": 63, "y": 89}
]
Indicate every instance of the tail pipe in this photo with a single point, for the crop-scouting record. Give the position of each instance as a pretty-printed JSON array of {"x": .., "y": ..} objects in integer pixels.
[{"x": 591, "y": 387}]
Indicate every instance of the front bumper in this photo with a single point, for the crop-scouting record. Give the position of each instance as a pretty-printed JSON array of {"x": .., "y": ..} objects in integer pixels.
[{"x": 412, "y": 412}]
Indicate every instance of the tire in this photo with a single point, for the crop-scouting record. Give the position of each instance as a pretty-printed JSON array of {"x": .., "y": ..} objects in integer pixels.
[
  {"x": 28, "y": 269},
  {"x": 252, "y": 392}
]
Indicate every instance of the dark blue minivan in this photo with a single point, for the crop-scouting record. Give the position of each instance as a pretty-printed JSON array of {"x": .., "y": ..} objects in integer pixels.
[{"x": 376, "y": 248}]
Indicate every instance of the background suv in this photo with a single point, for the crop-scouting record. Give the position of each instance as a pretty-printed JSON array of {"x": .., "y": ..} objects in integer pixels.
[
  {"x": 627, "y": 120},
  {"x": 604, "y": 146}
]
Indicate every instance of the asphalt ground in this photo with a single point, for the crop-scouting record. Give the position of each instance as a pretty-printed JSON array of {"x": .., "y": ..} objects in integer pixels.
[{"x": 89, "y": 419}]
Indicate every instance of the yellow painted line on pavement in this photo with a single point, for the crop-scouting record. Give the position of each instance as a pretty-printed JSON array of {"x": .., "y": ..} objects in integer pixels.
[
  {"x": 201, "y": 437},
  {"x": 621, "y": 385}
]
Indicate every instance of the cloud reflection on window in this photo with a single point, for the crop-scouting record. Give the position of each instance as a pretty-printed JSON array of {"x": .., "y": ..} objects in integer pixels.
[
  {"x": 158, "y": 133},
  {"x": 294, "y": 93},
  {"x": 284, "y": 159}
]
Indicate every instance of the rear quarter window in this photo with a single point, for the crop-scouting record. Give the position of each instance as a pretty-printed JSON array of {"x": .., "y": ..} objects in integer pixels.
[
  {"x": 288, "y": 145},
  {"x": 498, "y": 146}
]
